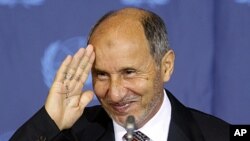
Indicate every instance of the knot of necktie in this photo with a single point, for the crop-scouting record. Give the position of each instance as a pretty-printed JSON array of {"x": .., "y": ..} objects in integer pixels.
[{"x": 137, "y": 136}]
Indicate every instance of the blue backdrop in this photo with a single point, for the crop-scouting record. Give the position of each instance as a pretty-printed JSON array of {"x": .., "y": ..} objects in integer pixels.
[{"x": 211, "y": 39}]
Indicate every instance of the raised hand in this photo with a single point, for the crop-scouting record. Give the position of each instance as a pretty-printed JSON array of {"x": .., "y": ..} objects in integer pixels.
[{"x": 66, "y": 100}]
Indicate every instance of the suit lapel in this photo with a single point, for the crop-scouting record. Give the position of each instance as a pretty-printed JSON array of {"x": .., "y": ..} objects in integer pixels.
[
  {"x": 176, "y": 133},
  {"x": 108, "y": 134},
  {"x": 103, "y": 129},
  {"x": 94, "y": 125},
  {"x": 183, "y": 126}
]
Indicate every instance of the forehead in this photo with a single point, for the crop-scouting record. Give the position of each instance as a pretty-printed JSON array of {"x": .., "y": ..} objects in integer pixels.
[
  {"x": 120, "y": 38},
  {"x": 126, "y": 24},
  {"x": 121, "y": 28}
]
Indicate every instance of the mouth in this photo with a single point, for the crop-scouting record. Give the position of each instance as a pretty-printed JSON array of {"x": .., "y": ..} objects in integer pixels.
[{"x": 122, "y": 108}]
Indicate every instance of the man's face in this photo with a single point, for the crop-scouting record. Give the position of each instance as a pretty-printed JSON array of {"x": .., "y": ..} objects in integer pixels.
[{"x": 126, "y": 79}]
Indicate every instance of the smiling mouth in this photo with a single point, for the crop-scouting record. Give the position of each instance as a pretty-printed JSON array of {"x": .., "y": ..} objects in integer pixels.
[{"x": 121, "y": 108}]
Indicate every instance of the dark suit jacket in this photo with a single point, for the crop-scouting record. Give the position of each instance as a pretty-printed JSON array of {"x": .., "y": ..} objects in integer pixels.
[{"x": 95, "y": 125}]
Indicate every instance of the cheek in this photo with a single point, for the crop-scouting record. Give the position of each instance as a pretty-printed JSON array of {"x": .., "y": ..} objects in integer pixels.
[
  {"x": 140, "y": 85},
  {"x": 100, "y": 89},
  {"x": 143, "y": 88}
]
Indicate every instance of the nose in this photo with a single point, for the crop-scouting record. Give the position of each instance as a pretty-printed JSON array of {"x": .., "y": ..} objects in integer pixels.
[{"x": 116, "y": 90}]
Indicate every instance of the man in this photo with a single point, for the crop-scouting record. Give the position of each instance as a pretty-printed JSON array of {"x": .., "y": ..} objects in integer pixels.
[{"x": 130, "y": 59}]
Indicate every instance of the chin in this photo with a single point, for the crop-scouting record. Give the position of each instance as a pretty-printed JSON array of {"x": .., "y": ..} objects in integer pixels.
[{"x": 121, "y": 120}]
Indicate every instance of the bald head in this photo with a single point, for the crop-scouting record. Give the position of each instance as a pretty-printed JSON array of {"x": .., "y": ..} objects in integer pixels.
[
  {"x": 124, "y": 20},
  {"x": 134, "y": 21}
]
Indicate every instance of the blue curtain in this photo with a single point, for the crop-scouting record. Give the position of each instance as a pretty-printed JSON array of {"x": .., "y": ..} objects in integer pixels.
[{"x": 211, "y": 39}]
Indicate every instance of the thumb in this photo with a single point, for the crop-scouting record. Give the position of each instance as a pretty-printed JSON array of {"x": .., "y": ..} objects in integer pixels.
[{"x": 86, "y": 97}]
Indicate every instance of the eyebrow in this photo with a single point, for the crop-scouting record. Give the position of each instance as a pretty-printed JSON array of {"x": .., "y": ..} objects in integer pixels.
[
  {"x": 120, "y": 70},
  {"x": 98, "y": 69}
]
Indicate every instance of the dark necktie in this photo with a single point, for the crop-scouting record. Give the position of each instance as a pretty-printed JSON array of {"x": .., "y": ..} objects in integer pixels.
[{"x": 137, "y": 136}]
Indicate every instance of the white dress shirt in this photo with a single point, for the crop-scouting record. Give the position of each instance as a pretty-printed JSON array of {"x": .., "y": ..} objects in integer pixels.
[{"x": 156, "y": 128}]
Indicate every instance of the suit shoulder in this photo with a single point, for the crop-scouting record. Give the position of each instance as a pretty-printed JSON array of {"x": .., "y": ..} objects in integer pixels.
[
  {"x": 205, "y": 118},
  {"x": 211, "y": 126}
]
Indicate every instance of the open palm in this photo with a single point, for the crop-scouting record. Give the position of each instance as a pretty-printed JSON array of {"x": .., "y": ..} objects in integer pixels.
[{"x": 66, "y": 100}]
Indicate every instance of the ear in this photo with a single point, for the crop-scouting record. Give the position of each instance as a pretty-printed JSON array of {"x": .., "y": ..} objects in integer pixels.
[{"x": 167, "y": 65}]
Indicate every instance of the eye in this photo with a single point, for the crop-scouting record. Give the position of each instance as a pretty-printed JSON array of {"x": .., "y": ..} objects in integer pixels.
[
  {"x": 101, "y": 75},
  {"x": 129, "y": 72}
]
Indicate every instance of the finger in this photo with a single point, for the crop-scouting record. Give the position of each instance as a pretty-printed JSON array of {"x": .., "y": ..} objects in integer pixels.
[
  {"x": 79, "y": 84},
  {"x": 82, "y": 72},
  {"x": 82, "y": 64},
  {"x": 84, "y": 61},
  {"x": 74, "y": 64},
  {"x": 59, "y": 88},
  {"x": 86, "y": 72},
  {"x": 60, "y": 75},
  {"x": 70, "y": 72},
  {"x": 86, "y": 97}
]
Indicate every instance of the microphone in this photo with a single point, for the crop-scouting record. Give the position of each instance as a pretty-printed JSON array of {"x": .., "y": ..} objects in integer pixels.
[{"x": 130, "y": 127}]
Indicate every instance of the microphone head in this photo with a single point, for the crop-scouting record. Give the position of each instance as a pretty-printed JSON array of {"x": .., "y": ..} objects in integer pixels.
[
  {"x": 130, "y": 123},
  {"x": 130, "y": 127}
]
